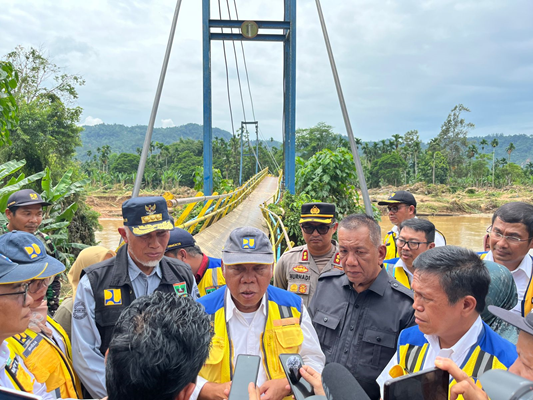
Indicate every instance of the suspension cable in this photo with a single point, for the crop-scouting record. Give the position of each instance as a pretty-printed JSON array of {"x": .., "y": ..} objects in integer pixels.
[{"x": 227, "y": 73}]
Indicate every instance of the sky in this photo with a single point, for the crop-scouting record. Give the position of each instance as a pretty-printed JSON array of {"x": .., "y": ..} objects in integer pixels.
[{"x": 403, "y": 65}]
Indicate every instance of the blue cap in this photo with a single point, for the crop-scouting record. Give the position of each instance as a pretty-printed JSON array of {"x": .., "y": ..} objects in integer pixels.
[
  {"x": 180, "y": 238},
  {"x": 11, "y": 272},
  {"x": 146, "y": 214},
  {"x": 29, "y": 253}
]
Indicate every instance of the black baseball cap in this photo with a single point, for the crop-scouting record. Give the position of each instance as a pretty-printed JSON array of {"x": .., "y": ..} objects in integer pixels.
[
  {"x": 399, "y": 197},
  {"x": 25, "y": 197},
  {"x": 180, "y": 238},
  {"x": 317, "y": 212},
  {"x": 144, "y": 215},
  {"x": 523, "y": 323}
]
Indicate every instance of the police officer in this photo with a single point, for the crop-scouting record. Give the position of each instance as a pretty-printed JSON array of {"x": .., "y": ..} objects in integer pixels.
[
  {"x": 401, "y": 206},
  {"x": 25, "y": 213},
  {"x": 207, "y": 271},
  {"x": 299, "y": 268},
  {"x": 359, "y": 313},
  {"x": 107, "y": 288}
]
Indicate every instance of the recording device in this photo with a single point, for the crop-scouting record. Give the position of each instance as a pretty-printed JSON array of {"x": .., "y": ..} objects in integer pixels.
[
  {"x": 246, "y": 370},
  {"x": 340, "y": 384},
  {"x": 12, "y": 394},
  {"x": 430, "y": 384},
  {"x": 291, "y": 364},
  {"x": 504, "y": 385}
]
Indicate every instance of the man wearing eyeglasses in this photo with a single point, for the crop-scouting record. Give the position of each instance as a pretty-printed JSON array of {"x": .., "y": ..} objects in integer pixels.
[
  {"x": 299, "y": 268},
  {"x": 510, "y": 239},
  {"x": 416, "y": 236},
  {"x": 401, "y": 206}
]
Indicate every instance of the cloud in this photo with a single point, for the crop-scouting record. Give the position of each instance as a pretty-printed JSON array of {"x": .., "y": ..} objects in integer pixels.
[
  {"x": 90, "y": 121},
  {"x": 167, "y": 123}
]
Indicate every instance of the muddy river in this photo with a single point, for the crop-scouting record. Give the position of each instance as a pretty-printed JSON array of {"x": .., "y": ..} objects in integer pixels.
[{"x": 466, "y": 230}]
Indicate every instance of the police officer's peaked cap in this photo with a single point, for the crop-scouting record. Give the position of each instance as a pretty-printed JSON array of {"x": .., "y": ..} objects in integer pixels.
[
  {"x": 399, "y": 197},
  {"x": 180, "y": 238},
  {"x": 25, "y": 197},
  {"x": 247, "y": 245},
  {"x": 323, "y": 213},
  {"x": 144, "y": 215},
  {"x": 29, "y": 253}
]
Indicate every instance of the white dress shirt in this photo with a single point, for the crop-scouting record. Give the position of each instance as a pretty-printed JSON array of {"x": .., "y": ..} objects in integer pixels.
[
  {"x": 246, "y": 339},
  {"x": 521, "y": 276},
  {"x": 39, "y": 389},
  {"x": 457, "y": 353}
]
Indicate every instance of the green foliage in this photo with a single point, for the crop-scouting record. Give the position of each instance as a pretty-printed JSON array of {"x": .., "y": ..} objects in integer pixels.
[
  {"x": 434, "y": 164},
  {"x": 321, "y": 136},
  {"x": 388, "y": 170},
  {"x": 331, "y": 177},
  {"x": 220, "y": 185},
  {"x": 8, "y": 105},
  {"x": 126, "y": 163}
]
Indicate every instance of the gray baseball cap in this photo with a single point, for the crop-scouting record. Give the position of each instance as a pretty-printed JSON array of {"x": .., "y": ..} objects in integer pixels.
[
  {"x": 523, "y": 323},
  {"x": 247, "y": 245}
]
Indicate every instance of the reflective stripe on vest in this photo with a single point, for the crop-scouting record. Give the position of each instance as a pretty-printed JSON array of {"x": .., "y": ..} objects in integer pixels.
[
  {"x": 18, "y": 376},
  {"x": 211, "y": 281},
  {"x": 390, "y": 243}
]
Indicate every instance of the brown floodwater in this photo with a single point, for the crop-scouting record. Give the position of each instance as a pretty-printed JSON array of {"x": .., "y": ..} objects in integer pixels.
[{"x": 466, "y": 230}]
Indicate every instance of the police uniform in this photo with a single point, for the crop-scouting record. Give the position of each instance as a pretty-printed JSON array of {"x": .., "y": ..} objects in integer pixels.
[
  {"x": 296, "y": 270},
  {"x": 209, "y": 276},
  {"x": 360, "y": 330},
  {"x": 107, "y": 288}
]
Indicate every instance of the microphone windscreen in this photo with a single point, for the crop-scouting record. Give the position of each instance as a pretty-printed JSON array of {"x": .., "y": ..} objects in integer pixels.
[{"x": 340, "y": 384}]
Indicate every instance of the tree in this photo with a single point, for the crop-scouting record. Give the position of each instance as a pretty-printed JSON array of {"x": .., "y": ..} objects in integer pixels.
[
  {"x": 453, "y": 136},
  {"x": 388, "y": 170},
  {"x": 434, "y": 168},
  {"x": 413, "y": 147},
  {"x": 483, "y": 144},
  {"x": 8, "y": 105},
  {"x": 397, "y": 140},
  {"x": 494, "y": 143},
  {"x": 125, "y": 163},
  {"x": 509, "y": 150},
  {"x": 321, "y": 136}
]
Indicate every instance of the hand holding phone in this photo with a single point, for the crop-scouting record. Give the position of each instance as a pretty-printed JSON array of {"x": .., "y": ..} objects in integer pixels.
[
  {"x": 291, "y": 364},
  {"x": 246, "y": 370},
  {"x": 430, "y": 384}
]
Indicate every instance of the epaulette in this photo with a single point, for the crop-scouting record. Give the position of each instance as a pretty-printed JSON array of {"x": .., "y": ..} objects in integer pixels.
[{"x": 400, "y": 288}]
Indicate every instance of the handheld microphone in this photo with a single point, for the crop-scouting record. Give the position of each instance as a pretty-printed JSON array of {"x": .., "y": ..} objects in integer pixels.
[
  {"x": 504, "y": 385},
  {"x": 340, "y": 384}
]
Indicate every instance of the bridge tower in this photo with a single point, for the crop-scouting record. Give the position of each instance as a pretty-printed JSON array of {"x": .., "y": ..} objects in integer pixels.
[{"x": 249, "y": 31}]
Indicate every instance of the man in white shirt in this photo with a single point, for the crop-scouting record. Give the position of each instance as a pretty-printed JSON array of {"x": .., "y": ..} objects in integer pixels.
[
  {"x": 252, "y": 317},
  {"x": 510, "y": 239},
  {"x": 450, "y": 285},
  {"x": 415, "y": 237}
]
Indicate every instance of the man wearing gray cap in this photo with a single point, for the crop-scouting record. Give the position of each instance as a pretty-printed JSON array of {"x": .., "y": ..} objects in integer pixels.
[
  {"x": 107, "y": 288},
  {"x": 252, "y": 317}
]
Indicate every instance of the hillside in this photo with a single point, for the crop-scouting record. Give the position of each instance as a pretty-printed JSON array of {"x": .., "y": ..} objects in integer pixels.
[{"x": 126, "y": 139}]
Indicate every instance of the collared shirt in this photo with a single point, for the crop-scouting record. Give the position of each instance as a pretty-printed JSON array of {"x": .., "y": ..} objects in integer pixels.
[
  {"x": 246, "y": 339},
  {"x": 143, "y": 284},
  {"x": 39, "y": 389},
  {"x": 457, "y": 353},
  {"x": 361, "y": 330},
  {"x": 203, "y": 267},
  {"x": 521, "y": 276},
  {"x": 401, "y": 264}
]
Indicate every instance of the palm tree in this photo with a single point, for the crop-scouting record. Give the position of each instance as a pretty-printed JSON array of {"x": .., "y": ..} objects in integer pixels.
[
  {"x": 494, "y": 144},
  {"x": 397, "y": 140},
  {"x": 483, "y": 143},
  {"x": 509, "y": 150}
]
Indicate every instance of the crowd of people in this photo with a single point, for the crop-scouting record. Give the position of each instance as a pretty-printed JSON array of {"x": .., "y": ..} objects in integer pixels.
[{"x": 159, "y": 319}]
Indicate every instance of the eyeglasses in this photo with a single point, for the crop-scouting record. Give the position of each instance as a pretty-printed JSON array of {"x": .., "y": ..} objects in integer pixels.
[
  {"x": 321, "y": 229},
  {"x": 510, "y": 239},
  {"x": 412, "y": 245},
  {"x": 37, "y": 284},
  {"x": 24, "y": 292},
  {"x": 394, "y": 209}
]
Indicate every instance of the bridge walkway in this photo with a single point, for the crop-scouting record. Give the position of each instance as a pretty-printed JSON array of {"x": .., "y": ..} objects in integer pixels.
[{"x": 212, "y": 239}]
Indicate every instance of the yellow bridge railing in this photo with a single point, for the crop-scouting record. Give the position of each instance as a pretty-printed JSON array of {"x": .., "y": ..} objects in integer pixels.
[
  {"x": 211, "y": 213},
  {"x": 277, "y": 230}
]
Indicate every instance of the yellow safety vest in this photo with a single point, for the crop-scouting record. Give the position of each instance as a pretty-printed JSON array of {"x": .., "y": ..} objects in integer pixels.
[
  {"x": 18, "y": 376},
  {"x": 211, "y": 281},
  {"x": 390, "y": 243},
  {"x": 47, "y": 362},
  {"x": 401, "y": 276},
  {"x": 490, "y": 352},
  {"x": 282, "y": 334}
]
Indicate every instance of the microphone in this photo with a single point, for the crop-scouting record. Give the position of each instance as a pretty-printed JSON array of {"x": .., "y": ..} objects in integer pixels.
[
  {"x": 340, "y": 384},
  {"x": 504, "y": 385}
]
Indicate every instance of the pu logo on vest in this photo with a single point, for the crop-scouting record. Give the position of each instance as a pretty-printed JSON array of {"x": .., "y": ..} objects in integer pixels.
[
  {"x": 248, "y": 243},
  {"x": 112, "y": 297},
  {"x": 33, "y": 251}
]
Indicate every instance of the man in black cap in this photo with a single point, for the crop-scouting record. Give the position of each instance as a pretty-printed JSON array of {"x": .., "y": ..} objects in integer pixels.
[
  {"x": 298, "y": 269},
  {"x": 107, "y": 288},
  {"x": 401, "y": 206},
  {"x": 24, "y": 212},
  {"x": 207, "y": 271}
]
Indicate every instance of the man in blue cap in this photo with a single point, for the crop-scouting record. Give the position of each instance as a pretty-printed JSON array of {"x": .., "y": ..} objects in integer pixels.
[
  {"x": 107, "y": 288},
  {"x": 16, "y": 281},
  {"x": 206, "y": 270},
  {"x": 24, "y": 212}
]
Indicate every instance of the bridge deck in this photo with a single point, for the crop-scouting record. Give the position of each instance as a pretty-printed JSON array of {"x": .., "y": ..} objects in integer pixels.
[{"x": 212, "y": 239}]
